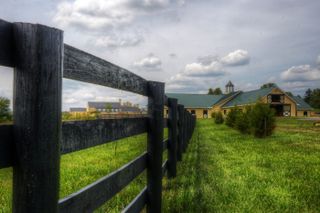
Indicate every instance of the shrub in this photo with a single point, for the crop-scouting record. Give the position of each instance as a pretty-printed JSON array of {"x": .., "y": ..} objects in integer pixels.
[
  {"x": 213, "y": 115},
  {"x": 262, "y": 120},
  {"x": 218, "y": 119},
  {"x": 242, "y": 122},
  {"x": 231, "y": 117}
]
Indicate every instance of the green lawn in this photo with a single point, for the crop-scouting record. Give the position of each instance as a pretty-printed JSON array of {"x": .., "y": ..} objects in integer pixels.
[
  {"x": 225, "y": 171},
  {"x": 222, "y": 171}
]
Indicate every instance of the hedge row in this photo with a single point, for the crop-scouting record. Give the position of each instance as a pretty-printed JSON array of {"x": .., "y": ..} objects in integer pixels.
[{"x": 258, "y": 120}]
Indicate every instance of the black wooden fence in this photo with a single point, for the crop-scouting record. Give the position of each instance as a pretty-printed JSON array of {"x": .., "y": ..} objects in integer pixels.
[{"x": 37, "y": 138}]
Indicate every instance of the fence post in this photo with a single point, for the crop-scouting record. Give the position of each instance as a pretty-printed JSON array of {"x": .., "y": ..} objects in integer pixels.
[
  {"x": 155, "y": 145},
  {"x": 172, "y": 151},
  {"x": 184, "y": 130},
  {"x": 180, "y": 132},
  {"x": 37, "y": 117}
]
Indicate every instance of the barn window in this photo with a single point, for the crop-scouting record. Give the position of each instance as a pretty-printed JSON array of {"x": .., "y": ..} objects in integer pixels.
[{"x": 305, "y": 113}]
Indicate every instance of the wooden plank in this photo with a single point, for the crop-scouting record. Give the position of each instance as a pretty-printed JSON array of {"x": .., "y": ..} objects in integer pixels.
[
  {"x": 165, "y": 144},
  {"x": 82, "y": 66},
  {"x": 138, "y": 203},
  {"x": 6, "y": 44},
  {"x": 6, "y": 146},
  {"x": 172, "y": 146},
  {"x": 165, "y": 122},
  {"x": 155, "y": 145},
  {"x": 180, "y": 132},
  {"x": 164, "y": 168},
  {"x": 77, "y": 135},
  {"x": 37, "y": 117},
  {"x": 94, "y": 195}
]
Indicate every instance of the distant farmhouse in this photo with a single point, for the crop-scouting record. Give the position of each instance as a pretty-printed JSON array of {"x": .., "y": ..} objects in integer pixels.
[
  {"x": 109, "y": 108},
  {"x": 202, "y": 106}
]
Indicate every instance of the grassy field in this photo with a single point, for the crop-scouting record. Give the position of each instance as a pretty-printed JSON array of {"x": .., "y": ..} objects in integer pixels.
[{"x": 223, "y": 171}]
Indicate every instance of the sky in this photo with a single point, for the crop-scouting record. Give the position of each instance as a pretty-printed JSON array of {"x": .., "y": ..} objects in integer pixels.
[{"x": 191, "y": 45}]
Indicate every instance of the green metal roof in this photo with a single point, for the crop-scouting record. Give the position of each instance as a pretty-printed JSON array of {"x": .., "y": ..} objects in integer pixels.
[
  {"x": 195, "y": 100},
  {"x": 248, "y": 97},
  {"x": 301, "y": 104}
]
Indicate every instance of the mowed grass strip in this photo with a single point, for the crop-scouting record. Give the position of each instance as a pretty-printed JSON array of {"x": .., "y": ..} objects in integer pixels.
[{"x": 225, "y": 171}]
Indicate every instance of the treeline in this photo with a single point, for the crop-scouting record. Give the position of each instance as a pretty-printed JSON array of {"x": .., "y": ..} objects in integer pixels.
[
  {"x": 258, "y": 120},
  {"x": 312, "y": 97}
]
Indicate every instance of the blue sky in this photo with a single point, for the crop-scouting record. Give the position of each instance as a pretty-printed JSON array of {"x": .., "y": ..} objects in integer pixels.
[{"x": 190, "y": 45}]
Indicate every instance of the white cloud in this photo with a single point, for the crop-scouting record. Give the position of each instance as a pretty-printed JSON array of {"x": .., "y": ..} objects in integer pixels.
[
  {"x": 116, "y": 41},
  {"x": 102, "y": 14},
  {"x": 318, "y": 60},
  {"x": 149, "y": 63},
  {"x": 236, "y": 58},
  {"x": 199, "y": 69},
  {"x": 301, "y": 73}
]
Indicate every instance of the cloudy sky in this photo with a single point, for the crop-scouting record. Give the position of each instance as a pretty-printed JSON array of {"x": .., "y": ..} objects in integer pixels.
[{"x": 189, "y": 45}]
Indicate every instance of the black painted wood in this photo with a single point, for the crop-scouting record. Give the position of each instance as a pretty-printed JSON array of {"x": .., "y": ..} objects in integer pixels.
[
  {"x": 99, "y": 192},
  {"x": 164, "y": 168},
  {"x": 6, "y": 146},
  {"x": 180, "y": 132},
  {"x": 138, "y": 203},
  {"x": 37, "y": 117},
  {"x": 165, "y": 123},
  {"x": 165, "y": 144},
  {"x": 77, "y": 135},
  {"x": 155, "y": 145},
  {"x": 172, "y": 146},
  {"x": 6, "y": 44},
  {"x": 82, "y": 66}
]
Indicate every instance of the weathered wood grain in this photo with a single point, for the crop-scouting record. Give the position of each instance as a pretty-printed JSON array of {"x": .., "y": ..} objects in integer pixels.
[
  {"x": 99, "y": 192},
  {"x": 180, "y": 132},
  {"x": 77, "y": 135},
  {"x": 172, "y": 146},
  {"x": 6, "y": 146},
  {"x": 6, "y": 44},
  {"x": 138, "y": 203},
  {"x": 82, "y": 66},
  {"x": 164, "y": 168},
  {"x": 37, "y": 117},
  {"x": 165, "y": 123},
  {"x": 165, "y": 144},
  {"x": 155, "y": 145}
]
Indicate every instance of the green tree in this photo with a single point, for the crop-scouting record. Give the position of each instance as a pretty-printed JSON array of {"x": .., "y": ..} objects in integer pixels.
[
  {"x": 5, "y": 113},
  {"x": 262, "y": 120},
  {"x": 210, "y": 91},
  {"x": 315, "y": 98},
  {"x": 218, "y": 118},
  {"x": 242, "y": 122},
  {"x": 216, "y": 91},
  {"x": 290, "y": 94},
  {"x": 307, "y": 96},
  {"x": 231, "y": 117},
  {"x": 268, "y": 85}
]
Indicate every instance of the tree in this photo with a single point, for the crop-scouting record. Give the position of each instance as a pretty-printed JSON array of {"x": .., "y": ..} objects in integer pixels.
[
  {"x": 5, "y": 114},
  {"x": 231, "y": 117},
  {"x": 108, "y": 107},
  {"x": 216, "y": 91},
  {"x": 268, "y": 85},
  {"x": 315, "y": 99},
  {"x": 210, "y": 91},
  {"x": 262, "y": 120},
  {"x": 307, "y": 95},
  {"x": 218, "y": 118}
]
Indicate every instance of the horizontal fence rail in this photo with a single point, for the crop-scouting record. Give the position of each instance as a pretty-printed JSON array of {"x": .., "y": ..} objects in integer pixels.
[
  {"x": 94, "y": 195},
  {"x": 77, "y": 135},
  {"x": 32, "y": 145}
]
